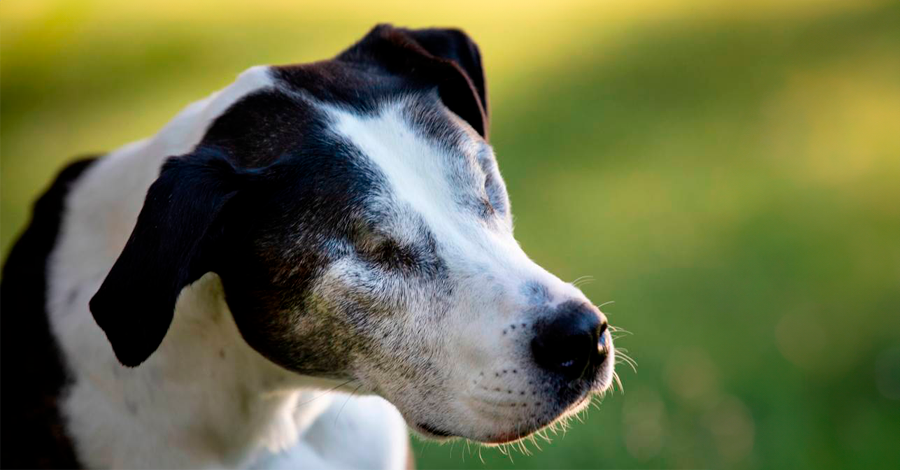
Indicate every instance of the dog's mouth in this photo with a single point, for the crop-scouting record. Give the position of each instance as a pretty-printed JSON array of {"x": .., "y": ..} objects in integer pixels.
[
  {"x": 500, "y": 413},
  {"x": 522, "y": 431},
  {"x": 436, "y": 433},
  {"x": 535, "y": 426},
  {"x": 433, "y": 432}
]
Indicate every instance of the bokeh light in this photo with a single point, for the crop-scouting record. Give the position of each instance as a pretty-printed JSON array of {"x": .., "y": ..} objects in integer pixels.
[{"x": 727, "y": 172}]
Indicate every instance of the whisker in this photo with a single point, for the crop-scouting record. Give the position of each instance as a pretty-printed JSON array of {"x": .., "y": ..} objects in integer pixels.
[
  {"x": 618, "y": 329},
  {"x": 619, "y": 381},
  {"x": 624, "y": 355},
  {"x": 543, "y": 435},
  {"x": 345, "y": 402},
  {"x": 622, "y": 358},
  {"x": 535, "y": 442},
  {"x": 326, "y": 392},
  {"x": 523, "y": 448},
  {"x": 582, "y": 280}
]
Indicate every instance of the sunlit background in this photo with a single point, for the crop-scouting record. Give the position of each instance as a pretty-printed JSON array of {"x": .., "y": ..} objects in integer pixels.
[{"x": 727, "y": 172}]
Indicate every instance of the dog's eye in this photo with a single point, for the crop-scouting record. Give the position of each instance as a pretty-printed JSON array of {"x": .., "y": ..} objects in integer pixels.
[
  {"x": 487, "y": 209},
  {"x": 389, "y": 254},
  {"x": 493, "y": 198},
  {"x": 393, "y": 255}
]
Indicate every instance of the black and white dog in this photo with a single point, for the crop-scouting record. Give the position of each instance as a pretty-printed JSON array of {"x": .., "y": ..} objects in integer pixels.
[{"x": 309, "y": 230}]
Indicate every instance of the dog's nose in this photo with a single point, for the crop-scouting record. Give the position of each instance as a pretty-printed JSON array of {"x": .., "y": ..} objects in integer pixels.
[{"x": 571, "y": 340}]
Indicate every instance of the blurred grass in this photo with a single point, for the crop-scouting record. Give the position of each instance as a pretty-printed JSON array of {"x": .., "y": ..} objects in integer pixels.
[{"x": 729, "y": 174}]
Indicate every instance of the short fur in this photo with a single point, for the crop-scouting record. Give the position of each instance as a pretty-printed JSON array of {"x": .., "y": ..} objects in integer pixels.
[{"x": 308, "y": 231}]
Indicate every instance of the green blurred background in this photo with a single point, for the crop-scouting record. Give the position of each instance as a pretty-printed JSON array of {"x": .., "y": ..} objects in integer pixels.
[{"x": 728, "y": 172}]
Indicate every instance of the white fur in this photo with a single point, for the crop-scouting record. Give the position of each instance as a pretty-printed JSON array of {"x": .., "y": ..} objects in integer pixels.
[
  {"x": 204, "y": 399},
  {"x": 484, "y": 260}
]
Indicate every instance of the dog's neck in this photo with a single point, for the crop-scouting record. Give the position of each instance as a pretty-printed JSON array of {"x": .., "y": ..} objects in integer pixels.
[
  {"x": 204, "y": 392},
  {"x": 244, "y": 399}
]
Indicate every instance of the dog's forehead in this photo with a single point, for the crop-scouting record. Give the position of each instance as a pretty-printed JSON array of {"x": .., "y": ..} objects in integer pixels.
[
  {"x": 428, "y": 161},
  {"x": 364, "y": 148}
]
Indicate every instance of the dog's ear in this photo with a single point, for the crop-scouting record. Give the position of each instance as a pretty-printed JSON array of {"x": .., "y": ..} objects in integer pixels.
[
  {"x": 445, "y": 57},
  {"x": 171, "y": 246},
  {"x": 457, "y": 47}
]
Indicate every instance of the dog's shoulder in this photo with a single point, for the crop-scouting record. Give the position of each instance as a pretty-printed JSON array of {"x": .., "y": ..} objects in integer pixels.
[
  {"x": 33, "y": 433},
  {"x": 352, "y": 432}
]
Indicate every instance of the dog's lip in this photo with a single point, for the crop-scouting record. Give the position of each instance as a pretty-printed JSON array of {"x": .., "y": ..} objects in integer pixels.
[
  {"x": 506, "y": 438},
  {"x": 496, "y": 439},
  {"x": 512, "y": 436},
  {"x": 433, "y": 431},
  {"x": 502, "y": 438}
]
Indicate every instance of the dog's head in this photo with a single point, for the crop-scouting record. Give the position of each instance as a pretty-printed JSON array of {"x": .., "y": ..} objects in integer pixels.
[{"x": 356, "y": 216}]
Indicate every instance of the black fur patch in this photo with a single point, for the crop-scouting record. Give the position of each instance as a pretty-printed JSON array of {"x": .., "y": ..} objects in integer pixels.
[
  {"x": 297, "y": 218},
  {"x": 33, "y": 433},
  {"x": 262, "y": 127},
  {"x": 271, "y": 196},
  {"x": 392, "y": 61},
  {"x": 171, "y": 246},
  {"x": 294, "y": 219}
]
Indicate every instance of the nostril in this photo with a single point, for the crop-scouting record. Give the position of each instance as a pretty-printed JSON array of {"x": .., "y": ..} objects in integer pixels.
[{"x": 568, "y": 343}]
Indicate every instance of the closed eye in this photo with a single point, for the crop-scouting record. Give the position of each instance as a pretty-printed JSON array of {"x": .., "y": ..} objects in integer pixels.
[
  {"x": 494, "y": 192},
  {"x": 487, "y": 209},
  {"x": 494, "y": 196},
  {"x": 392, "y": 255},
  {"x": 386, "y": 253}
]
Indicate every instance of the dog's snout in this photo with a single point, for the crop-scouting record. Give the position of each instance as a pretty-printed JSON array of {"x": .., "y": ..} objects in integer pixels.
[{"x": 571, "y": 340}]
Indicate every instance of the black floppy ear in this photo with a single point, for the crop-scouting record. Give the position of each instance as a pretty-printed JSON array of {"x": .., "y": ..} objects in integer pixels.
[
  {"x": 446, "y": 57},
  {"x": 169, "y": 248},
  {"x": 458, "y": 47}
]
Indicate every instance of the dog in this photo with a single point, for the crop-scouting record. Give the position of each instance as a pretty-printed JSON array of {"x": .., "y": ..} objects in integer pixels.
[{"x": 292, "y": 273}]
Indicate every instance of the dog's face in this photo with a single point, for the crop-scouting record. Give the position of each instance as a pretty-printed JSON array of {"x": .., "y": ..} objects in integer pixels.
[{"x": 362, "y": 231}]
